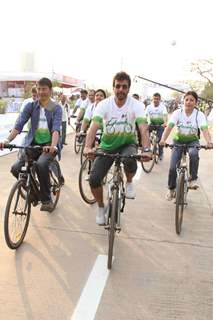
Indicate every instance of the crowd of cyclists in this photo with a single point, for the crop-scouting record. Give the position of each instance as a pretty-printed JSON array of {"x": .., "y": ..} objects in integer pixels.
[{"x": 122, "y": 124}]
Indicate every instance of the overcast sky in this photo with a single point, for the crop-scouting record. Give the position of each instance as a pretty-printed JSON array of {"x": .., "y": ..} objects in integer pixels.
[{"x": 96, "y": 38}]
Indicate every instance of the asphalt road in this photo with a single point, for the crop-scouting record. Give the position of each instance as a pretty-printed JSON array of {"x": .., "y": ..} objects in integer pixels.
[{"x": 156, "y": 274}]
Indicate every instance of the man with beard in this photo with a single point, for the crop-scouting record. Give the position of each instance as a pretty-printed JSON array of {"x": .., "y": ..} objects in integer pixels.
[{"x": 117, "y": 115}]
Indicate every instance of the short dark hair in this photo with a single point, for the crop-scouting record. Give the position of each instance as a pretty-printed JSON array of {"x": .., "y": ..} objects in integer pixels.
[
  {"x": 120, "y": 76},
  {"x": 136, "y": 96},
  {"x": 34, "y": 90},
  {"x": 191, "y": 93},
  {"x": 83, "y": 91},
  {"x": 101, "y": 90},
  {"x": 157, "y": 95},
  {"x": 45, "y": 82}
]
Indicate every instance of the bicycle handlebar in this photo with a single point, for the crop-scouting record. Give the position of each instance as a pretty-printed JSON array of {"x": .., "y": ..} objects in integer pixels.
[
  {"x": 119, "y": 156},
  {"x": 14, "y": 146},
  {"x": 171, "y": 146}
]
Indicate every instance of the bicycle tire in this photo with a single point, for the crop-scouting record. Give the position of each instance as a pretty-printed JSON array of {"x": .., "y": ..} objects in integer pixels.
[
  {"x": 179, "y": 208},
  {"x": 156, "y": 153},
  {"x": 14, "y": 213},
  {"x": 55, "y": 185},
  {"x": 148, "y": 166},
  {"x": 112, "y": 226},
  {"x": 82, "y": 157},
  {"x": 77, "y": 146},
  {"x": 83, "y": 182}
]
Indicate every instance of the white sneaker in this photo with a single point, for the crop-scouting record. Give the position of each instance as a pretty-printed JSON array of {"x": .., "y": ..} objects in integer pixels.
[
  {"x": 130, "y": 191},
  {"x": 193, "y": 184},
  {"x": 100, "y": 217},
  {"x": 87, "y": 177},
  {"x": 170, "y": 194}
]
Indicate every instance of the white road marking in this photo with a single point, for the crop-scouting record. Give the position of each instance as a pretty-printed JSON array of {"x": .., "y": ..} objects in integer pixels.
[{"x": 91, "y": 295}]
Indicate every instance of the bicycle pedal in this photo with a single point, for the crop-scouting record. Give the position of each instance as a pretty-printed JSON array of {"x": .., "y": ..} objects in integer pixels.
[
  {"x": 118, "y": 229},
  {"x": 106, "y": 227}
]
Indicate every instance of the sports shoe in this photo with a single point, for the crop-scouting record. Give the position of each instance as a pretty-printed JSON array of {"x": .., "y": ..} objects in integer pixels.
[
  {"x": 47, "y": 206},
  {"x": 193, "y": 184},
  {"x": 130, "y": 191},
  {"x": 170, "y": 194},
  {"x": 100, "y": 217}
]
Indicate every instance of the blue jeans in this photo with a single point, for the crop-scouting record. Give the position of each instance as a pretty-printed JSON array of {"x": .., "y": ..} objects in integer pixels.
[
  {"x": 175, "y": 158},
  {"x": 159, "y": 130}
]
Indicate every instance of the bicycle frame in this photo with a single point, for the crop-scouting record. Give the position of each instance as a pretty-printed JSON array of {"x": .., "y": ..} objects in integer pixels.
[{"x": 117, "y": 183}]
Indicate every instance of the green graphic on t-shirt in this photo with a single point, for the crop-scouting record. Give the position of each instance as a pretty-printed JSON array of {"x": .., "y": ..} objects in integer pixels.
[
  {"x": 116, "y": 140},
  {"x": 156, "y": 121},
  {"x": 42, "y": 136}
]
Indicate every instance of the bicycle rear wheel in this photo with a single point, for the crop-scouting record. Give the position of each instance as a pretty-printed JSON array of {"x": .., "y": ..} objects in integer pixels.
[
  {"x": 17, "y": 215},
  {"x": 83, "y": 182},
  {"x": 112, "y": 225},
  {"x": 55, "y": 185},
  {"x": 179, "y": 203}
]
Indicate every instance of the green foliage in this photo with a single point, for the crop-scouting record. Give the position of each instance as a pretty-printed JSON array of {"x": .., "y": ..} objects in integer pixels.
[
  {"x": 207, "y": 92},
  {"x": 55, "y": 83},
  {"x": 3, "y": 105},
  {"x": 176, "y": 95},
  {"x": 27, "y": 90}
]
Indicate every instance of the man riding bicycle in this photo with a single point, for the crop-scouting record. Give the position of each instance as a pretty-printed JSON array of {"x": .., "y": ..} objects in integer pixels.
[
  {"x": 157, "y": 118},
  {"x": 117, "y": 115},
  {"x": 46, "y": 116}
]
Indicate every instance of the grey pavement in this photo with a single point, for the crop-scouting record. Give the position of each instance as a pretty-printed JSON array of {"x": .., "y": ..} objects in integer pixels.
[{"x": 156, "y": 274}]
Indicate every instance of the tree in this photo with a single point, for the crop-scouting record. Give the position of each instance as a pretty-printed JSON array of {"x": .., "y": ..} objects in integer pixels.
[{"x": 204, "y": 68}]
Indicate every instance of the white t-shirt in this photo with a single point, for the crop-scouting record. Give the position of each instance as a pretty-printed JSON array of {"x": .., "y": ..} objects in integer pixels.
[
  {"x": 156, "y": 115},
  {"x": 78, "y": 102},
  {"x": 89, "y": 112},
  {"x": 42, "y": 133},
  {"x": 187, "y": 126},
  {"x": 118, "y": 123},
  {"x": 85, "y": 103},
  {"x": 64, "y": 112}
]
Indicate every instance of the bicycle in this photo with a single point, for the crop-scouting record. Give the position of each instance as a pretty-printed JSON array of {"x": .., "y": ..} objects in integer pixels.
[
  {"x": 148, "y": 166},
  {"x": 26, "y": 191},
  {"x": 77, "y": 142},
  {"x": 182, "y": 185},
  {"x": 116, "y": 200}
]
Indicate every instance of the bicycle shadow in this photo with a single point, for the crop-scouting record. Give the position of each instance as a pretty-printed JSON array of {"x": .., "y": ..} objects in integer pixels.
[{"x": 22, "y": 284}]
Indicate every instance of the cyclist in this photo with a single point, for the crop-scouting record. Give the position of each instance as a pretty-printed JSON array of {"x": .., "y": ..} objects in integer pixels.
[
  {"x": 188, "y": 121},
  {"x": 85, "y": 104},
  {"x": 156, "y": 114},
  {"x": 117, "y": 115},
  {"x": 46, "y": 117},
  {"x": 99, "y": 96},
  {"x": 79, "y": 101}
]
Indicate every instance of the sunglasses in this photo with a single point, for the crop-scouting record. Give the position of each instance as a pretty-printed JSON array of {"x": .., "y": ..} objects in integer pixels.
[{"x": 124, "y": 86}]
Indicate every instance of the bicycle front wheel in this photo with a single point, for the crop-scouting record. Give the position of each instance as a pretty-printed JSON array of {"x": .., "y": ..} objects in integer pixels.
[
  {"x": 83, "y": 182},
  {"x": 55, "y": 184},
  {"x": 148, "y": 166},
  {"x": 17, "y": 215},
  {"x": 77, "y": 145},
  {"x": 82, "y": 157},
  {"x": 179, "y": 203},
  {"x": 112, "y": 225}
]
